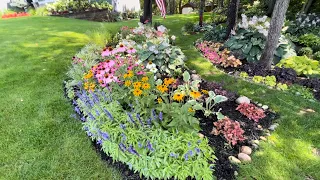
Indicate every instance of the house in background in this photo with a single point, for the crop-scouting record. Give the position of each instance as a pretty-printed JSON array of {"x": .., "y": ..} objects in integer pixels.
[
  {"x": 4, "y": 5},
  {"x": 126, "y": 5}
]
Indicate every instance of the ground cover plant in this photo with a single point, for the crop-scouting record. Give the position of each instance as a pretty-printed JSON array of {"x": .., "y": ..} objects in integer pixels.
[
  {"x": 14, "y": 15},
  {"x": 59, "y": 144}
]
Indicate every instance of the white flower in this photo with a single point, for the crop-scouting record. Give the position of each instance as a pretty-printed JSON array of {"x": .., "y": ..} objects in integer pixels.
[
  {"x": 161, "y": 28},
  {"x": 150, "y": 65},
  {"x": 233, "y": 32},
  {"x": 259, "y": 27},
  {"x": 173, "y": 37},
  {"x": 264, "y": 32},
  {"x": 154, "y": 70},
  {"x": 152, "y": 48},
  {"x": 307, "y": 19},
  {"x": 251, "y": 23},
  {"x": 245, "y": 25},
  {"x": 267, "y": 24}
]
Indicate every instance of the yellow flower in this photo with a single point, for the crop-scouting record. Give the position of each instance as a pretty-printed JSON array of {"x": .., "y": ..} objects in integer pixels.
[
  {"x": 92, "y": 86},
  {"x": 195, "y": 94},
  {"x": 191, "y": 110},
  {"x": 86, "y": 85},
  {"x": 145, "y": 86},
  {"x": 137, "y": 85},
  {"x": 130, "y": 74},
  {"x": 160, "y": 100},
  {"x": 204, "y": 91},
  {"x": 88, "y": 75},
  {"x": 178, "y": 97},
  {"x": 162, "y": 88},
  {"x": 168, "y": 81},
  {"x": 145, "y": 79},
  {"x": 89, "y": 86},
  {"x": 137, "y": 92},
  {"x": 125, "y": 76},
  {"x": 127, "y": 83}
]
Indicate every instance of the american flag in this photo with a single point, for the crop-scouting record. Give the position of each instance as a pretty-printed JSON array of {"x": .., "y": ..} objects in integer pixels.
[{"x": 162, "y": 7}]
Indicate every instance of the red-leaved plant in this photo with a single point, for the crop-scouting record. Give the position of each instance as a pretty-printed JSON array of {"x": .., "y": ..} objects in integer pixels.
[
  {"x": 230, "y": 129},
  {"x": 251, "y": 111}
]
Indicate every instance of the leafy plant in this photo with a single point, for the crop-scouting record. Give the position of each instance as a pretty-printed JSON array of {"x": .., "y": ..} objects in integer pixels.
[
  {"x": 258, "y": 79},
  {"x": 230, "y": 129},
  {"x": 188, "y": 27},
  {"x": 304, "y": 24},
  {"x": 216, "y": 34},
  {"x": 282, "y": 87},
  {"x": 229, "y": 61},
  {"x": 301, "y": 64},
  {"x": 244, "y": 74},
  {"x": 310, "y": 40},
  {"x": 316, "y": 55},
  {"x": 218, "y": 18},
  {"x": 251, "y": 111},
  {"x": 305, "y": 93},
  {"x": 270, "y": 81},
  {"x": 305, "y": 51}
]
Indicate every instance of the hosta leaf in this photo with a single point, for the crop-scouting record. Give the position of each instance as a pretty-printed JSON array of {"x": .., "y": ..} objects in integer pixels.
[
  {"x": 186, "y": 76},
  {"x": 236, "y": 46},
  {"x": 246, "y": 48},
  {"x": 254, "y": 51}
]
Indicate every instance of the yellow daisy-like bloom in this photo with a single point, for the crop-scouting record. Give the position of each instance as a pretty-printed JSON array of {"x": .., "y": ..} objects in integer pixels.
[
  {"x": 145, "y": 79},
  {"x": 178, "y": 97},
  {"x": 195, "y": 94},
  {"x": 92, "y": 86},
  {"x": 162, "y": 88},
  {"x": 159, "y": 100},
  {"x": 168, "y": 81},
  {"x": 137, "y": 92},
  {"x": 130, "y": 74},
  {"x": 191, "y": 110},
  {"x": 88, "y": 75},
  {"x": 145, "y": 86},
  {"x": 127, "y": 83},
  {"x": 204, "y": 91},
  {"x": 137, "y": 85},
  {"x": 125, "y": 76},
  {"x": 86, "y": 85}
]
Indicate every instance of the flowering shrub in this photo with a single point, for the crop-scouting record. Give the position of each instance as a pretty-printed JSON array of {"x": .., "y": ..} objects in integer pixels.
[
  {"x": 251, "y": 111},
  {"x": 230, "y": 129},
  {"x": 305, "y": 23},
  {"x": 14, "y": 15}
]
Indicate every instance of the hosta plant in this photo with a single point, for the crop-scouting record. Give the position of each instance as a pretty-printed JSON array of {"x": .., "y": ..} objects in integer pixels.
[
  {"x": 310, "y": 40},
  {"x": 230, "y": 129},
  {"x": 305, "y": 23},
  {"x": 302, "y": 65},
  {"x": 251, "y": 111}
]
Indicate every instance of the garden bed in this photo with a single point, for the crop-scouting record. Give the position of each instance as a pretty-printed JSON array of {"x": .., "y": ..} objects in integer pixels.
[{"x": 94, "y": 15}]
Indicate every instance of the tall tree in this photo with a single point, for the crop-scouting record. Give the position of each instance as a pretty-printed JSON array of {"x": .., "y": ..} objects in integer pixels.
[
  {"x": 278, "y": 17},
  {"x": 271, "y": 4},
  {"x": 147, "y": 12},
  {"x": 201, "y": 10},
  {"x": 232, "y": 16},
  {"x": 307, "y": 5}
]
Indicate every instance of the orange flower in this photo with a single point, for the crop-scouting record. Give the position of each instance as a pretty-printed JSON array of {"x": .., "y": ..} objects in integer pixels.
[
  {"x": 178, "y": 97},
  {"x": 145, "y": 86},
  {"x": 162, "y": 88},
  {"x": 127, "y": 83},
  {"x": 195, "y": 94},
  {"x": 168, "y": 81},
  {"x": 137, "y": 85},
  {"x": 88, "y": 75},
  {"x": 145, "y": 79}
]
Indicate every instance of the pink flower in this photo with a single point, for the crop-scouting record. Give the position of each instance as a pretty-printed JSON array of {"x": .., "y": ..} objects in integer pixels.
[
  {"x": 159, "y": 33},
  {"x": 121, "y": 48},
  {"x": 141, "y": 73},
  {"x": 108, "y": 52},
  {"x": 131, "y": 50}
]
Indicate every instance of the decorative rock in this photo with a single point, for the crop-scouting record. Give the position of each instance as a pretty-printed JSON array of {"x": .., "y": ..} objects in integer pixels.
[
  {"x": 235, "y": 173},
  {"x": 268, "y": 134},
  {"x": 244, "y": 157},
  {"x": 243, "y": 99},
  {"x": 246, "y": 150},
  {"x": 255, "y": 142},
  {"x": 273, "y": 127},
  {"x": 200, "y": 135},
  {"x": 259, "y": 127},
  {"x": 193, "y": 71},
  {"x": 195, "y": 77},
  {"x": 255, "y": 146},
  {"x": 265, "y": 107},
  {"x": 263, "y": 138},
  {"x": 260, "y": 104},
  {"x": 234, "y": 160}
]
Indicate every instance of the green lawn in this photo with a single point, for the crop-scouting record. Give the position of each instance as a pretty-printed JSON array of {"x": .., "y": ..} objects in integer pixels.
[{"x": 39, "y": 139}]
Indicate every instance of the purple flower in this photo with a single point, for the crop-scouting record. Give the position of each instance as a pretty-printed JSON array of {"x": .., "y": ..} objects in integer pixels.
[
  {"x": 160, "y": 116},
  {"x": 139, "y": 144},
  {"x": 186, "y": 157},
  {"x": 95, "y": 97},
  {"x": 124, "y": 137},
  {"x": 108, "y": 113},
  {"x": 97, "y": 112},
  {"x": 190, "y": 152},
  {"x": 174, "y": 155},
  {"x": 103, "y": 95},
  {"x": 77, "y": 110},
  {"x": 91, "y": 116},
  {"x": 154, "y": 114},
  {"x": 83, "y": 119},
  {"x": 74, "y": 102},
  {"x": 199, "y": 141},
  {"x": 99, "y": 142},
  {"x": 149, "y": 121},
  {"x": 123, "y": 126},
  {"x": 139, "y": 118},
  {"x": 105, "y": 135},
  {"x": 132, "y": 150},
  {"x": 197, "y": 150},
  {"x": 85, "y": 128},
  {"x": 131, "y": 106},
  {"x": 130, "y": 118},
  {"x": 122, "y": 147},
  {"x": 149, "y": 146},
  {"x": 89, "y": 133},
  {"x": 189, "y": 144}
]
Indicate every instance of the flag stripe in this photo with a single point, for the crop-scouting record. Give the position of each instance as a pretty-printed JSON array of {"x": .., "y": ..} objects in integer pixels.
[{"x": 162, "y": 7}]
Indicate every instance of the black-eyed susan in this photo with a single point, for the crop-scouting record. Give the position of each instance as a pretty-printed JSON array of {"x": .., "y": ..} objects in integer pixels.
[
  {"x": 178, "y": 96},
  {"x": 145, "y": 79},
  {"x": 137, "y": 84},
  {"x": 127, "y": 83},
  {"x": 130, "y": 74},
  {"x": 145, "y": 86},
  {"x": 86, "y": 85},
  {"x": 195, "y": 94},
  {"x": 162, "y": 88},
  {"x": 137, "y": 92},
  {"x": 159, "y": 99},
  {"x": 190, "y": 109},
  {"x": 168, "y": 81},
  {"x": 204, "y": 91},
  {"x": 88, "y": 75}
]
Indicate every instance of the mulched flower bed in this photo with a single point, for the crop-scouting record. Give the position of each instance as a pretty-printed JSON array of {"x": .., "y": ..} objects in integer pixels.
[{"x": 224, "y": 169}]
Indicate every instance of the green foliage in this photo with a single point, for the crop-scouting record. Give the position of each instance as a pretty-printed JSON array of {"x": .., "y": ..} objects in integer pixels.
[
  {"x": 306, "y": 93},
  {"x": 282, "y": 87},
  {"x": 258, "y": 8},
  {"x": 258, "y": 79},
  {"x": 216, "y": 34},
  {"x": 77, "y": 5},
  {"x": 251, "y": 43},
  {"x": 188, "y": 27},
  {"x": 218, "y": 18},
  {"x": 310, "y": 40},
  {"x": 270, "y": 81},
  {"x": 305, "y": 51},
  {"x": 301, "y": 64},
  {"x": 100, "y": 36},
  {"x": 305, "y": 24},
  {"x": 244, "y": 74},
  {"x": 316, "y": 56}
]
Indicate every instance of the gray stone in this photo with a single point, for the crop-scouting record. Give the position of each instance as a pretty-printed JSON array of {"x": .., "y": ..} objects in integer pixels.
[
  {"x": 255, "y": 146},
  {"x": 193, "y": 71},
  {"x": 243, "y": 99},
  {"x": 234, "y": 160},
  {"x": 195, "y": 77},
  {"x": 260, "y": 104},
  {"x": 263, "y": 138},
  {"x": 246, "y": 150},
  {"x": 273, "y": 127},
  {"x": 244, "y": 157},
  {"x": 255, "y": 142}
]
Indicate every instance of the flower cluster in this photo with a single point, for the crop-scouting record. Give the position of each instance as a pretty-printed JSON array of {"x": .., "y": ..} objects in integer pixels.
[
  {"x": 261, "y": 24},
  {"x": 251, "y": 111},
  {"x": 14, "y": 15},
  {"x": 230, "y": 129}
]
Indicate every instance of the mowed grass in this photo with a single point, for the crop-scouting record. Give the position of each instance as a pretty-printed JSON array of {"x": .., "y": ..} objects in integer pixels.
[{"x": 39, "y": 139}]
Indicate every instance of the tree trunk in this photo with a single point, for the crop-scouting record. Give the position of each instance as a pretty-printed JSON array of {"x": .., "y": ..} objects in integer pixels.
[
  {"x": 271, "y": 4},
  {"x": 278, "y": 17},
  {"x": 221, "y": 3},
  {"x": 232, "y": 16},
  {"x": 307, "y": 6},
  {"x": 147, "y": 12},
  {"x": 180, "y": 5},
  {"x": 201, "y": 9}
]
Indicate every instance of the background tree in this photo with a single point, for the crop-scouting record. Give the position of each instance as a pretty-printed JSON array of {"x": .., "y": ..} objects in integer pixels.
[
  {"x": 278, "y": 17},
  {"x": 232, "y": 16},
  {"x": 307, "y": 5},
  {"x": 201, "y": 10}
]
